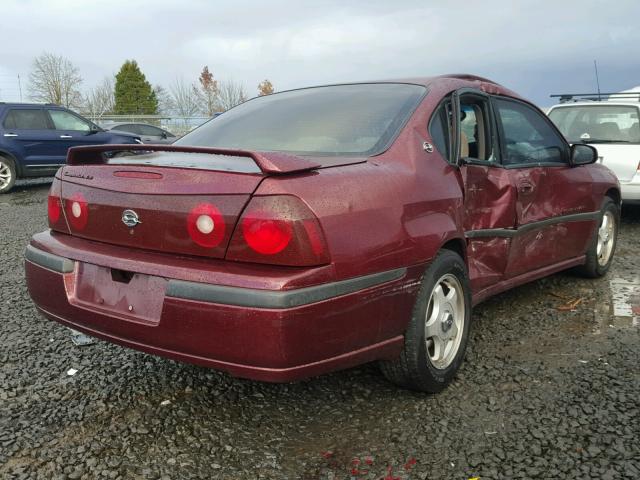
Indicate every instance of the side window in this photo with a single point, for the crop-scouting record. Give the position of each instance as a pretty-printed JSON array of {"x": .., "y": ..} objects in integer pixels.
[
  {"x": 476, "y": 140},
  {"x": 528, "y": 138},
  {"x": 67, "y": 121},
  {"x": 26, "y": 119},
  {"x": 439, "y": 130},
  {"x": 149, "y": 130},
  {"x": 128, "y": 128}
]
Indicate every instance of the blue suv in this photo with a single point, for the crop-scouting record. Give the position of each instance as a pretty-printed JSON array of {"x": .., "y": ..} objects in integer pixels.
[{"x": 34, "y": 139}]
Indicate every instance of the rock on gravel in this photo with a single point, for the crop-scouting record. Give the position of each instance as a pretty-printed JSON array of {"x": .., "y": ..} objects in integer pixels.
[{"x": 543, "y": 394}]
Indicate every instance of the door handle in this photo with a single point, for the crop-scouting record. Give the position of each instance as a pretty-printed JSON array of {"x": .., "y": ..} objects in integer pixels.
[
  {"x": 526, "y": 188},
  {"x": 10, "y": 134},
  {"x": 66, "y": 136}
]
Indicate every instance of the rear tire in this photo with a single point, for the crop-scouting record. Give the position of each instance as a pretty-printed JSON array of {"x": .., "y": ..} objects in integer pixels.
[
  {"x": 436, "y": 338},
  {"x": 603, "y": 244},
  {"x": 7, "y": 174}
]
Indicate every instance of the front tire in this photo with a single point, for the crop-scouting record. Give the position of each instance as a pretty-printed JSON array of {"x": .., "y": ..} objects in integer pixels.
[
  {"x": 7, "y": 174},
  {"x": 436, "y": 338},
  {"x": 603, "y": 243}
]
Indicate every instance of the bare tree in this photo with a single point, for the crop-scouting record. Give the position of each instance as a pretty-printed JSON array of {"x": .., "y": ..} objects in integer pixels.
[
  {"x": 185, "y": 98},
  {"x": 208, "y": 92},
  {"x": 99, "y": 100},
  {"x": 54, "y": 79},
  {"x": 231, "y": 94},
  {"x": 166, "y": 105}
]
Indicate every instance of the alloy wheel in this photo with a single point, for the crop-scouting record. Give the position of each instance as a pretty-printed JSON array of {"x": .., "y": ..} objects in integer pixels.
[
  {"x": 444, "y": 323},
  {"x": 606, "y": 238},
  {"x": 5, "y": 174}
]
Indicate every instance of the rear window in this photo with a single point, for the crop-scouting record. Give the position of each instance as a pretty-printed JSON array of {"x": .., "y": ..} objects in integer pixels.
[
  {"x": 340, "y": 120},
  {"x": 597, "y": 123}
]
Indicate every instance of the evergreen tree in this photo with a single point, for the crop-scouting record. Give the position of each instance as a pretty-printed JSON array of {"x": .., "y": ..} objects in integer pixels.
[{"x": 133, "y": 94}]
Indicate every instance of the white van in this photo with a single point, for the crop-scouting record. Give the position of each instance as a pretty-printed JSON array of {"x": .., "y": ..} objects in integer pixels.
[{"x": 612, "y": 127}]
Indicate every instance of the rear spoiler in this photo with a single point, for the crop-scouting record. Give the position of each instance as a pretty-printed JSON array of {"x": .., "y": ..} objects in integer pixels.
[{"x": 268, "y": 162}]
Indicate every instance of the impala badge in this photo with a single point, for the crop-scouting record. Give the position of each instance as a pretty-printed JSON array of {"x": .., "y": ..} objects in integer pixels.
[{"x": 130, "y": 218}]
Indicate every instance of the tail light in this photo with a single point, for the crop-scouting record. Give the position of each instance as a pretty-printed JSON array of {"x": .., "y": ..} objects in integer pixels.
[
  {"x": 279, "y": 230},
  {"x": 77, "y": 211},
  {"x": 205, "y": 225},
  {"x": 54, "y": 208}
]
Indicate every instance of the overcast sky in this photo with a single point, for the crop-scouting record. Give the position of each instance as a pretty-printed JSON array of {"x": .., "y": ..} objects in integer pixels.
[{"x": 534, "y": 47}]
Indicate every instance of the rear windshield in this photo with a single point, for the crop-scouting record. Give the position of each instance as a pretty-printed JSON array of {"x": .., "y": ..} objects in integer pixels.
[
  {"x": 598, "y": 123},
  {"x": 340, "y": 120}
]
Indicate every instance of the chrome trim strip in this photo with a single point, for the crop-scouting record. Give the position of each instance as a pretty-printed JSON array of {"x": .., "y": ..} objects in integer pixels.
[
  {"x": 256, "y": 298},
  {"x": 46, "y": 165},
  {"x": 48, "y": 260},
  {"x": 512, "y": 232}
]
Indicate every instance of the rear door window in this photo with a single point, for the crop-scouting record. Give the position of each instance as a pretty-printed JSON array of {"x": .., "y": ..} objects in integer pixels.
[
  {"x": 476, "y": 129},
  {"x": 26, "y": 119}
]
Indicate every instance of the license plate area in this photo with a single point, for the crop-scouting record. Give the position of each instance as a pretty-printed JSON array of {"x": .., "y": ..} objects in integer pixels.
[{"x": 127, "y": 295}]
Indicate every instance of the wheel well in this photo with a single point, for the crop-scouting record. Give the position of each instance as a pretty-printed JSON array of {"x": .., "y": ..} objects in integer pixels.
[
  {"x": 458, "y": 246},
  {"x": 13, "y": 159},
  {"x": 614, "y": 195}
]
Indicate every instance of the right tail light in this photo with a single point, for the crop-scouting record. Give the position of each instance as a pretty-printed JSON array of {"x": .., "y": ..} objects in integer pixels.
[{"x": 278, "y": 230}]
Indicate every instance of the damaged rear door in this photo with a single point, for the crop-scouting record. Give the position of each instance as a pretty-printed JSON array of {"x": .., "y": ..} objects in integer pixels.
[{"x": 489, "y": 197}]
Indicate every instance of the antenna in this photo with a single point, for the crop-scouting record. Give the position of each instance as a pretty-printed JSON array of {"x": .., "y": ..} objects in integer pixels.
[{"x": 595, "y": 66}]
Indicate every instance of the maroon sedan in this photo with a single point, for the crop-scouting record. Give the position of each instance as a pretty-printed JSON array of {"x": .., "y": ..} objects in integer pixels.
[{"x": 321, "y": 228}]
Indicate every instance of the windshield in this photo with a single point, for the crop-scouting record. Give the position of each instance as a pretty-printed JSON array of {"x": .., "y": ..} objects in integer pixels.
[
  {"x": 597, "y": 123},
  {"x": 340, "y": 120}
]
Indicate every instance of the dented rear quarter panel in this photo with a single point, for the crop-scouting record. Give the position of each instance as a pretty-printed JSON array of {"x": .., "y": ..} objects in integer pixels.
[{"x": 396, "y": 209}]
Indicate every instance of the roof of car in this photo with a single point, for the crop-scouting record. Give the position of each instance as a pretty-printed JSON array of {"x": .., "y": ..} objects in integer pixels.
[
  {"x": 591, "y": 103},
  {"x": 29, "y": 104},
  {"x": 453, "y": 80},
  {"x": 113, "y": 124}
]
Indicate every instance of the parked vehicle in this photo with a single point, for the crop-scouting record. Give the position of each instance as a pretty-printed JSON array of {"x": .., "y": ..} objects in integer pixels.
[
  {"x": 321, "y": 228},
  {"x": 35, "y": 138},
  {"x": 611, "y": 125},
  {"x": 147, "y": 133}
]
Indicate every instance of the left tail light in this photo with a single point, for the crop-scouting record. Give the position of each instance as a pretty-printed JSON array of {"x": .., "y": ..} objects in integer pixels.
[
  {"x": 278, "y": 230},
  {"x": 55, "y": 212}
]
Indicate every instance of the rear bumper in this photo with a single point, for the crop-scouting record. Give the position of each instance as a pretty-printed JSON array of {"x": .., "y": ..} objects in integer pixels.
[{"x": 269, "y": 334}]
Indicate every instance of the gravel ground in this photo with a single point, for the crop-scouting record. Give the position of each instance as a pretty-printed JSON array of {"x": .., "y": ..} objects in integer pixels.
[{"x": 544, "y": 393}]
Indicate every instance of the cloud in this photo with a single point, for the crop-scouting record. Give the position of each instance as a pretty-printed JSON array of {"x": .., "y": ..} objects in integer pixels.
[{"x": 531, "y": 46}]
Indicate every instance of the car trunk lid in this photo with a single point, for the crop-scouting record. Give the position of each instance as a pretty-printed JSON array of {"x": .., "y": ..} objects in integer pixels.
[{"x": 159, "y": 197}]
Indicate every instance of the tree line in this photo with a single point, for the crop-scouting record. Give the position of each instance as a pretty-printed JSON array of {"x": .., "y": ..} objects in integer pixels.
[{"x": 55, "y": 79}]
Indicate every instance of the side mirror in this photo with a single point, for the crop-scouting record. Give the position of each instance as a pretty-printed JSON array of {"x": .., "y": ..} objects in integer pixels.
[
  {"x": 163, "y": 135},
  {"x": 583, "y": 154}
]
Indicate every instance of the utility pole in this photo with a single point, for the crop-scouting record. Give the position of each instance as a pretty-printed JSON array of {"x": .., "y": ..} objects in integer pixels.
[
  {"x": 595, "y": 66},
  {"x": 20, "y": 87}
]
